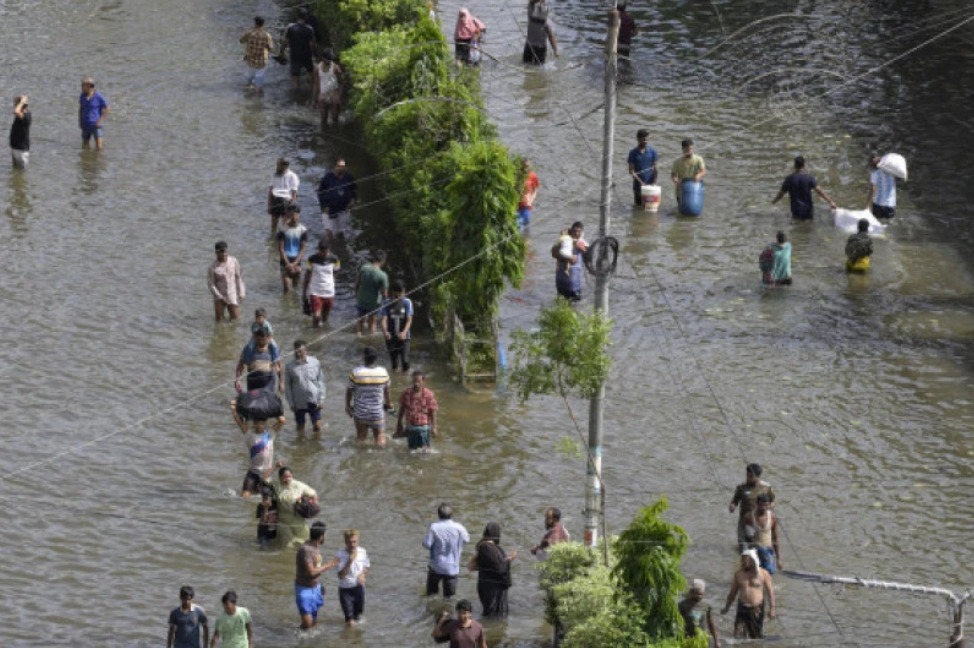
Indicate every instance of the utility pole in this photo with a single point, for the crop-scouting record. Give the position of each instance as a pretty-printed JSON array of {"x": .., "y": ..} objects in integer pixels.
[
  {"x": 955, "y": 601},
  {"x": 594, "y": 496}
]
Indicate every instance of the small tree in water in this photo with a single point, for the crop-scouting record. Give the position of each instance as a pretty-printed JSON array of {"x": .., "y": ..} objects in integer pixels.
[
  {"x": 566, "y": 354},
  {"x": 648, "y": 556}
]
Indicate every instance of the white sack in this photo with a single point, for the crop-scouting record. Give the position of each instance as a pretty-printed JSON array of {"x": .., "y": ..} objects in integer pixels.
[
  {"x": 847, "y": 220},
  {"x": 893, "y": 164}
]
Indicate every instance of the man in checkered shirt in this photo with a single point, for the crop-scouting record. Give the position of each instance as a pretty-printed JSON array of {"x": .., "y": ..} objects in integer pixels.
[{"x": 259, "y": 44}]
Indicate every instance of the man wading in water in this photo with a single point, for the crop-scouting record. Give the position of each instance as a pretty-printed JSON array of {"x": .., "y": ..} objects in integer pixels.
[{"x": 750, "y": 583}]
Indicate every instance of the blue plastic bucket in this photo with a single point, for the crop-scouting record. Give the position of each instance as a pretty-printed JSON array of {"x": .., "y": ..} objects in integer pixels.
[{"x": 691, "y": 198}]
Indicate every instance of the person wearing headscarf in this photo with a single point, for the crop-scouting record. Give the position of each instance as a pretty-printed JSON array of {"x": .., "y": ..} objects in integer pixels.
[
  {"x": 494, "y": 571},
  {"x": 751, "y": 582},
  {"x": 467, "y": 30}
]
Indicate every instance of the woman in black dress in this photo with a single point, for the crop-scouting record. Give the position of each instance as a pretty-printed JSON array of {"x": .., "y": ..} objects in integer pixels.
[{"x": 494, "y": 567}]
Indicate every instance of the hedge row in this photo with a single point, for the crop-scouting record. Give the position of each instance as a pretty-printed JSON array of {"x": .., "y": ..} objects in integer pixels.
[{"x": 453, "y": 186}]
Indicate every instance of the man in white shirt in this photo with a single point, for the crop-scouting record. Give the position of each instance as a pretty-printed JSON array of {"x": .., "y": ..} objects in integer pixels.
[
  {"x": 282, "y": 192},
  {"x": 352, "y": 563}
]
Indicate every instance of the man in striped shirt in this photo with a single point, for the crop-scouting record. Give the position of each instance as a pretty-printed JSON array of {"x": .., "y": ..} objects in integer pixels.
[
  {"x": 882, "y": 191},
  {"x": 367, "y": 398}
]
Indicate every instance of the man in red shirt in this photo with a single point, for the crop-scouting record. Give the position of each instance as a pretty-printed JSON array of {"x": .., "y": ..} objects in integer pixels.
[
  {"x": 418, "y": 406},
  {"x": 528, "y": 194}
]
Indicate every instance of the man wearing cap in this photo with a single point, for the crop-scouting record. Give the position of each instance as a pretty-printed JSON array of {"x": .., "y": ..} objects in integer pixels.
[
  {"x": 304, "y": 387},
  {"x": 689, "y": 166},
  {"x": 225, "y": 282},
  {"x": 799, "y": 187},
  {"x": 261, "y": 359},
  {"x": 696, "y": 612},
  {"x": 367, "y": 398},
  {"x": 746, "y": 496},
  {"x": 751, "y": 582},
  {"x": 643, "y": 165}
]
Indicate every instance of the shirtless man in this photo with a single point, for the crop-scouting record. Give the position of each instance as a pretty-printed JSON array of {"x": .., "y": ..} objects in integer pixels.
[
  {"x": 750, "y": 584},
  {"x": 746, "y": 495},
  {"x": 761, "y": 531}
]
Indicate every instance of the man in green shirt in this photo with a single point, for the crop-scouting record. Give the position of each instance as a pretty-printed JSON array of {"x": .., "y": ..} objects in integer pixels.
[
  {"x": 233, "y": 628},
  {"x": 371, "y": 290},
  {"x": 688, "y": 167}
]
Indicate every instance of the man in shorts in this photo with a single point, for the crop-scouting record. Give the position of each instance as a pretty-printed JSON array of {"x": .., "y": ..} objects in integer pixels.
[
  {"x": 367, "y": 398},
  {"x": 258, "y": 45},
  {"x": 337, "y": 192},
  {"x": 371, "y": 290},
  {"x": 299, "y": 37},
  {"x": 319, "y": 282},
  {"x": 304, "y": 387},
  {"x": 92, "y": 110},
  {"x": 260, "y": 446},
  {"x": 291, "y": 241},
  {"x": 308, "y": 594},
  {"x": 417, "y": 406},
  {"x": 282, "y": 192}
]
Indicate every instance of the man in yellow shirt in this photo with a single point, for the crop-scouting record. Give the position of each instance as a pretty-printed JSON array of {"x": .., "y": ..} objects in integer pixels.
[{"x": 688, "y": 167}]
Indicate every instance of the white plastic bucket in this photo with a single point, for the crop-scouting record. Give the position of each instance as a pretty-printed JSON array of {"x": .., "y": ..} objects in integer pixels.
[{"x": 651, "y": 195}]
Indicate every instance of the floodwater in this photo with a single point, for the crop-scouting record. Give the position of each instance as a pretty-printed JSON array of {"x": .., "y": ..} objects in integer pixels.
[{"x": 121, "y": 460}]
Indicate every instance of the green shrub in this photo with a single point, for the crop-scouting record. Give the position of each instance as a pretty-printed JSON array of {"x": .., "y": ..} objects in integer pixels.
[{"x": 452, "y": 187}]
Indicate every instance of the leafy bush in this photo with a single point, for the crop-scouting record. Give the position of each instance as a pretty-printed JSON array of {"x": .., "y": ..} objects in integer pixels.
[
  {"x": 453, "y": 188},
  {"x": 629, "y": 603}
]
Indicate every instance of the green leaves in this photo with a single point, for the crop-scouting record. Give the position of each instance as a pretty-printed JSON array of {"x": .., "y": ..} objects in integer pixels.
[
  {"x": 455, "y": 187},
  {"x": 631, "y": 604},
  {"x": 567, "y": 354}
]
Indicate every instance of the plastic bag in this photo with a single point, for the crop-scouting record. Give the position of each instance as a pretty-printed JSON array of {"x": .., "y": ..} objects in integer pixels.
[
  {"x": 306, "y": 507},
  {"x": 893, "y": 164},
  {"x": 847, "y": 220},
  {"x": 259, "y": 405}
]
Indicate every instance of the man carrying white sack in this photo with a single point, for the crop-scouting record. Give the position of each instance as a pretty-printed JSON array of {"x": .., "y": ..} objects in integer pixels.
[{"x": 882, "y": 184}]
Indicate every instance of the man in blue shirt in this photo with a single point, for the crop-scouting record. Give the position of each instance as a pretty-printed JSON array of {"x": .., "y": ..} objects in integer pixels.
[
  {"x": 336, "y": 193},
  {"x": 92, "y": 109},
  {"x": 186, "y": 621},
  {"x": 643, "y": 164},
  {"x": 445, "y": 539}
]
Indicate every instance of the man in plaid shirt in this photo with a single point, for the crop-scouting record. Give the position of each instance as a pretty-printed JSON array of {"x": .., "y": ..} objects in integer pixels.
[
  {"x": 418, "y": 406},
  {"x": 259, "y": 43}
]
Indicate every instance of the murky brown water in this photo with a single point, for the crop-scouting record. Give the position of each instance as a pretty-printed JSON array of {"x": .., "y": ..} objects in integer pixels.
[{"x": 854, "y": 393}]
